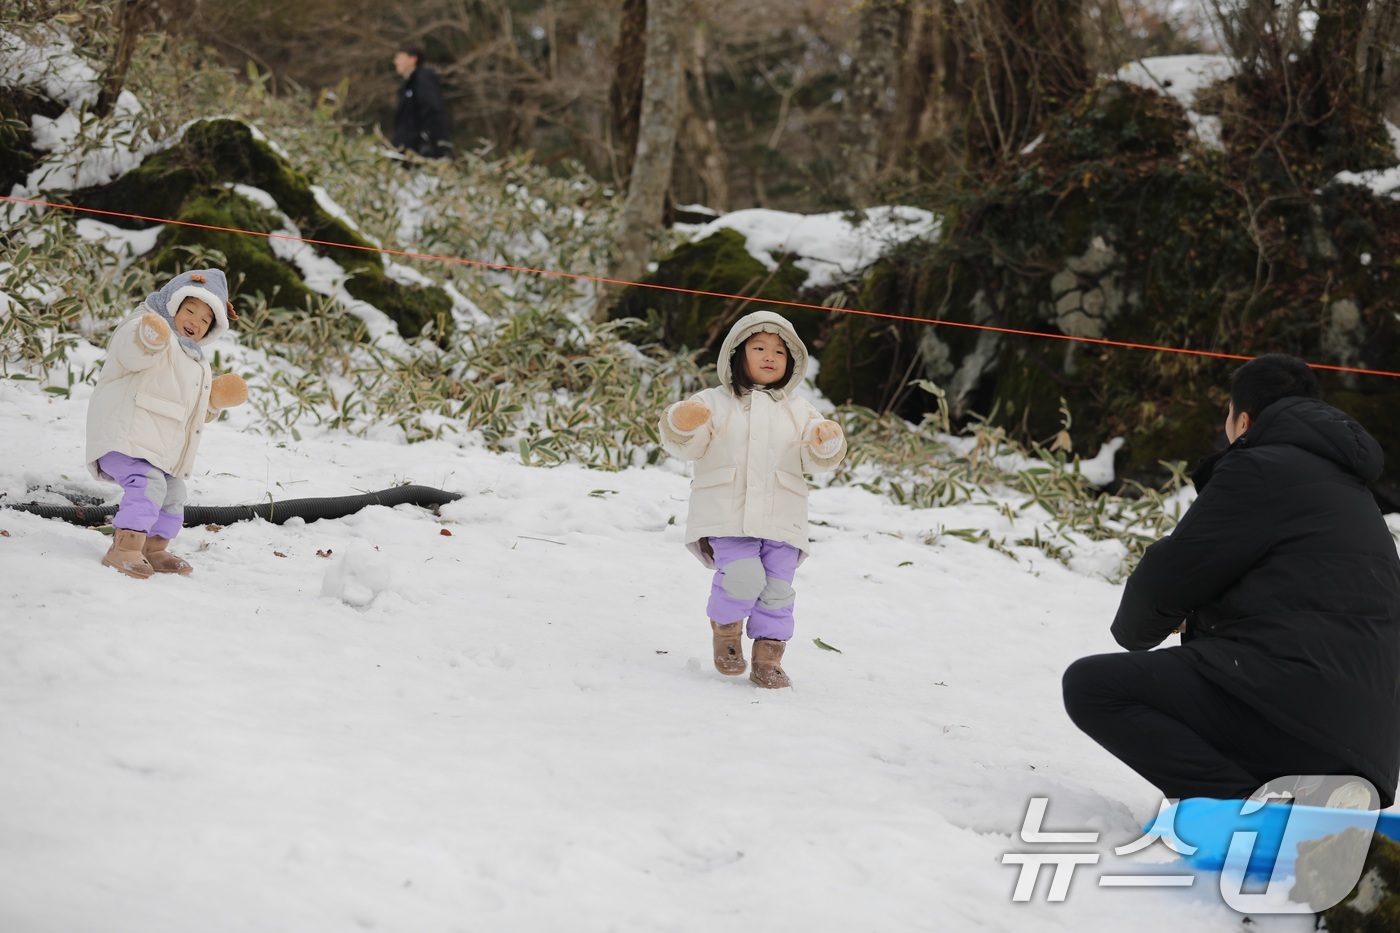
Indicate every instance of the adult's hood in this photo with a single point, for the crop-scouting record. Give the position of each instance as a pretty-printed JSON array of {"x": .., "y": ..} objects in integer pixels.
[
  {"x": 1320, "y": 429},
  {"x": 766, "y": 322},
  {"x": 208, "y": 285}
]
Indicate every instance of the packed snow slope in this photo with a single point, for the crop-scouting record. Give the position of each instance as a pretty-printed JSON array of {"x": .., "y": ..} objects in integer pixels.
[{"x": 505, "y": 717}]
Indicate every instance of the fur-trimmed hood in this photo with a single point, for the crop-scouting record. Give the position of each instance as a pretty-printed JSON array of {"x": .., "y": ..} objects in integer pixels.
[
  {"x": 208, "y": 285},
  {"x": 763, "y": 322}
]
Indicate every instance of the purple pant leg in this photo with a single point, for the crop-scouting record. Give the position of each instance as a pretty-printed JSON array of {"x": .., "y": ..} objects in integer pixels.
[
  {"x": 753, "y": 580},
  {"x": 172, "y": 510},
  {"x": 772, "y": 613},
  {"x": 732, "y": 603},
  {"x": 169, "y": 523},
  {"x": 152, "y": 501}
]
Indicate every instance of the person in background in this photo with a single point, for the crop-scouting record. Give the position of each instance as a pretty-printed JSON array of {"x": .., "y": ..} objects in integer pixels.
[{"x": 421, "y": 123}]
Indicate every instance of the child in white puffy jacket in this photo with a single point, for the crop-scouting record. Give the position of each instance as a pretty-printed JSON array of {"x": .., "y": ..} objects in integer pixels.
[
  {"x": 752, "y": 439},
  {"x": 146, "y": 416}
]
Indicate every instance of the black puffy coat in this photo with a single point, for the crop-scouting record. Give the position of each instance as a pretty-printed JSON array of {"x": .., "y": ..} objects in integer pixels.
[
  {"x": 1289, "y": 582},
  {"x": 420, "y": 117}
]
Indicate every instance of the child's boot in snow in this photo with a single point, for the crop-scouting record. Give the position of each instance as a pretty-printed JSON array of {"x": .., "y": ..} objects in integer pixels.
[
  {"x": 729, "y": 647},
  {"x": 125, "y": 554},
  {"x": 161, "y": 560},
  {"x": 767, "y": 658}
]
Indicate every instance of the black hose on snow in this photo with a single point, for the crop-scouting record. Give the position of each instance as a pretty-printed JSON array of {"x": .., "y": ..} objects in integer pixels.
[{"x": 275, "y": 512}]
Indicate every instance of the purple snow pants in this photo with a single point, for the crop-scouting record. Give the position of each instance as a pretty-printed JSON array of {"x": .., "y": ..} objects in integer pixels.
[
  {"x": 153, "y": 501},
  {"x": 753, "y": 580}
]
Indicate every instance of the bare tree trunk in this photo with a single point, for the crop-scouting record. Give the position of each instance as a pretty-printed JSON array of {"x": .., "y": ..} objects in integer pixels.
[
  {"x": 866, "y": 110},
  {"x": 1320, "y": 94},
  {"x": 917, "y": 87},
  {"x": 926, "y": 136},
  {"x": 700, "y": 133},
  {"x": 753, "y": 167},
  {"x": 1377, "y": 39},
  {"x": 128, "y": 19},
  {"x": 1029, "y": 60},
  {"x": 1259, "y": 34},
  {"x": 1334, "y": 51},
  {"x": 1343, "y": 63},
  {"x": 656, "y": 141},
  {"x": 625, "y": 93}
]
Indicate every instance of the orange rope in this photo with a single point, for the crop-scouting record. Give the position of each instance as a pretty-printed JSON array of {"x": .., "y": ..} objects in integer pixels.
[{"x": 1098, "y": 341}]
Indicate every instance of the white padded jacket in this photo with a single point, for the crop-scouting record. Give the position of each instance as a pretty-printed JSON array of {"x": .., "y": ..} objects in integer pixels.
[
  {"x": 751, "y": 454},
  {"x": 150, "y": 404}
]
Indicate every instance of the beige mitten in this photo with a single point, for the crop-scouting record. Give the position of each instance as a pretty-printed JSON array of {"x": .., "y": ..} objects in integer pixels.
[
  {"x": 825, "y": 432},
  {"x": 826, "y": 437},
  {"x": 688, "y": 415},
  {"x": 226, "y": 391},
  {"x": 153, "y": 332}
]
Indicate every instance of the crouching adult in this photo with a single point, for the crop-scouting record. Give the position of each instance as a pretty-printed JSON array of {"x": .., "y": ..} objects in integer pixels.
[{"x": 1284, "y": 583}]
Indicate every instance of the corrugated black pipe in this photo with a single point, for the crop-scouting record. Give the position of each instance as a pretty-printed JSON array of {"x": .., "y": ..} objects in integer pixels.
[{"x": 275, "y": 512}]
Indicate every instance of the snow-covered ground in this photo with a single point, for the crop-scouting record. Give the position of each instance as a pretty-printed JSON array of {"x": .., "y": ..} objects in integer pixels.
[{"x": 505, "y": 718}]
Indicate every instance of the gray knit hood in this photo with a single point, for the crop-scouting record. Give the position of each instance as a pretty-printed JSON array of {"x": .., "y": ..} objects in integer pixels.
[
  {"x": 763, "y": 322},
  {"x": 210, "y": 287}
]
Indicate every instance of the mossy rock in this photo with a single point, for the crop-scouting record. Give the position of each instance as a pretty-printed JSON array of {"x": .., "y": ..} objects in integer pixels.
[
  {"x": 869, "y": 360},
  {"x": 855, "y": 362},
  {"x": 719, "y": 263},
  {"x": 1191, "y": 268},
  {"x": 412, "y": 306},
  {"x": 1373, "y": 906},
  {"x": 17, "y": 109},
  {"x": 1027, "y": 393},
  {"x": 252, "y": 266},
  {"x": 1313, "y": 141},
  {"x": 189, "y": 182},
  {"x": 1118, "y": 117},
  {"x": 861, "y": 351},
  {"x": 1187, "y": 430}
]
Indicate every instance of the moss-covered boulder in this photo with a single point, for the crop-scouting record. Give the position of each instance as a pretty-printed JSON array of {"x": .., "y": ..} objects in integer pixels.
[
  {"x": 17, "y": 109},
  {"x": 1118, "y": 118},
  {"x": 252, "y": 265},
  {"x": 1373, "y": 905},
  {"x": 191, "y": 182},
  {"x": 1113, "y": 229},
  {"x": 870, "y": 360},
  {"x": 683, "y": 319}
]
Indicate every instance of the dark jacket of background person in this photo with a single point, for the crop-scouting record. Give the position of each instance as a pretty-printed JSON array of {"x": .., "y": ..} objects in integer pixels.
[
  {"x": 1288, "y": 579},
  {"x": 420, "y": 117}
]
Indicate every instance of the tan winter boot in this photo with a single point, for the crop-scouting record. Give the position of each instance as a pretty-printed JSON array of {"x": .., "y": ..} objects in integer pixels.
[
  {"x": 125, "y": 554},
  {"x": 729, "y": 647},
  {"x": 767, "y": 656},
  {"x": 161, "y": 560}
]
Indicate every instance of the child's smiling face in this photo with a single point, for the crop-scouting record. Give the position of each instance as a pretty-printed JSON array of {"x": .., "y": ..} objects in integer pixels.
[
  {"x": 765, "y": 358},
  {"x": 193, "y": 319}
]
